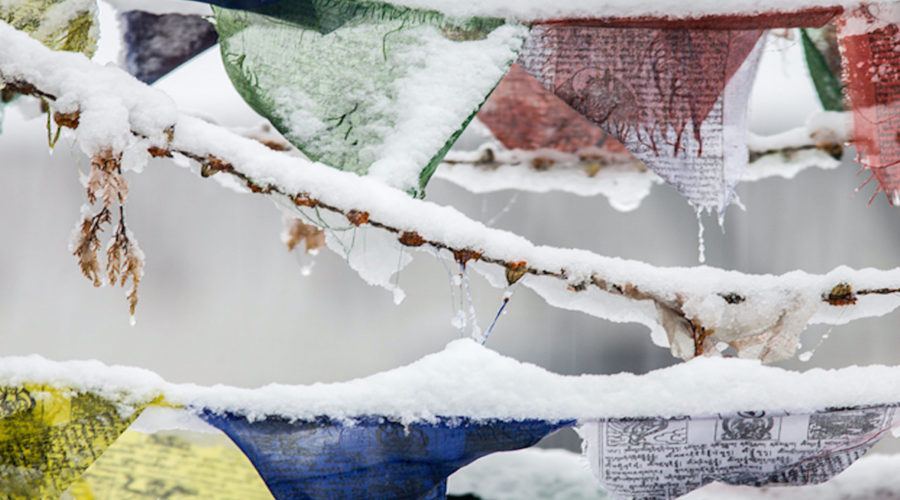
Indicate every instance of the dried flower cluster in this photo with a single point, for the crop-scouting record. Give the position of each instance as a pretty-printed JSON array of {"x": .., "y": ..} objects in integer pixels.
[{"x": 107, "y": 187}]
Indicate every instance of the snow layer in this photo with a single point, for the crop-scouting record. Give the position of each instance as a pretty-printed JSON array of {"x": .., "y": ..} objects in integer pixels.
[
  {"x": 111, "y": 104},
  {"x": 116, "y": 383},
  {"x": 469, "y": 380},
  {"x": 624, "y": 185},
  {"x": 530, "y": 473},
  {"x": 558, "y": 474}
]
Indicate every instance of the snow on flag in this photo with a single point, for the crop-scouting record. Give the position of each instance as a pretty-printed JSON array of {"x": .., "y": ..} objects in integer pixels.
[
  {"x": 383, "y": 437},
  {"x": 365, "y": 87},
  {"x": 50, "y": 435},
  {"x": 371, "y": 457},
  {"x": 676, "y": 98},
  {"x": 869, "y": 38},
  {"x": 155, "y": 44},
  {"x": 653, "y": 458}
]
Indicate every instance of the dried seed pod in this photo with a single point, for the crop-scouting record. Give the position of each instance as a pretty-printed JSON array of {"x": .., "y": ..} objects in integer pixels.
[
  {"x": 305, "y": 200},
  {"x": 465, "y": 255},
  {"x": 411, "y": 239},
  {"x": 841, "y": 295},
  {"x": 515, "y": 271},
  {"x": 357, "y": 217}
]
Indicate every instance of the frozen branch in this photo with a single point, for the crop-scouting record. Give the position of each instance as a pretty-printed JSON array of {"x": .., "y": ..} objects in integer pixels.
[{"x": 695, "y": 308}]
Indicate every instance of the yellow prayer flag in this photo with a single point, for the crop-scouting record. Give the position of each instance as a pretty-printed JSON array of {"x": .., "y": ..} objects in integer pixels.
[
  {"x": 172, "y": 465},
  {"x": 49, "y": 436}
]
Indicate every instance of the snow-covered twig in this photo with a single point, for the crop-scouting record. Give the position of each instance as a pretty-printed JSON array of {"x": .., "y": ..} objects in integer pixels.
[{"x": 693, "y": 309}]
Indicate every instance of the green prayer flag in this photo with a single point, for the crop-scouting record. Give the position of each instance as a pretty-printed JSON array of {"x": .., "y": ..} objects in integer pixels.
[
  {"x": 366, "y": 87},
  {"x": 828, "y": 85}
]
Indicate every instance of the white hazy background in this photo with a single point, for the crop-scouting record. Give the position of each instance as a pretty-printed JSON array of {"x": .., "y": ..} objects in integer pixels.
[{"x": 222, "y": 300}]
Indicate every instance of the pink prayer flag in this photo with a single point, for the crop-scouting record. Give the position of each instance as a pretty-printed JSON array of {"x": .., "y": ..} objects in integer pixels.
[
  {"x": 522, "y": 114},
  {"x": 676, "y": 98}
]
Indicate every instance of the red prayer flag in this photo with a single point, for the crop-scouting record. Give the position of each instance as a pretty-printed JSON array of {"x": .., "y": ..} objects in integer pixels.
[{"x": 870, "y": 48}]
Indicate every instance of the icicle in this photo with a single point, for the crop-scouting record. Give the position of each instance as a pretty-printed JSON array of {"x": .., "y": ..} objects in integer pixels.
[
  {"x": 476, "y": 331},
  {"x": 306, "y": 261},
  {"x": 701, "y": 247},
  {"x": 457, "y": 318},
  {"x": 806, "y": 356},
  {"x": 399, "y": 294},
  {"x": 458, "y": 321},
  {"x": 503, "y": 211}
]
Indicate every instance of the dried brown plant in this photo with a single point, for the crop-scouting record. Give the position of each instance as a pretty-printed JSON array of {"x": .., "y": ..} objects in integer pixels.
[
  {"x": 86, "y": 245},
  {"x": 125, "y": 261},
  {"x": 106, "y": 181},
  {"x": 296, "y": 230},
  {"x": 124, "y": 258}
]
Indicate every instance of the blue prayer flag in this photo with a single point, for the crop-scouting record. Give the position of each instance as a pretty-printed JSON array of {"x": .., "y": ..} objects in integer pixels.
[
  {"x": 155, "y": 44},
  {"x": 370, "y": 457}
]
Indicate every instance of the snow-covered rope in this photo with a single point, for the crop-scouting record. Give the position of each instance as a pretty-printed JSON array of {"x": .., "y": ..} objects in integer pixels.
[{"x": 694, "y": 309}]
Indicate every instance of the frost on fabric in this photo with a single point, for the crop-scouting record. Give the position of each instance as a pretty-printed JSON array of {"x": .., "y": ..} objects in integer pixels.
[{"x": 383, "y": 93}]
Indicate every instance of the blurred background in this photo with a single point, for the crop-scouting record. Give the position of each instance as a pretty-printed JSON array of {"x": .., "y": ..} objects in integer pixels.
[{"x": 223, "y": 301}]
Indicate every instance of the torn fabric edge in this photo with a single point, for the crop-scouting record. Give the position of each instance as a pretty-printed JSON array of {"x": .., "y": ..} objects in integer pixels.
[
  {"x": 371, "y": 457},
  {"x": 654, "y": 458}
]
